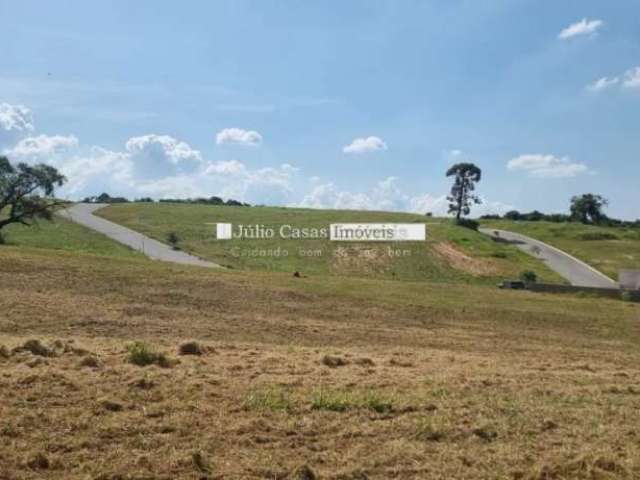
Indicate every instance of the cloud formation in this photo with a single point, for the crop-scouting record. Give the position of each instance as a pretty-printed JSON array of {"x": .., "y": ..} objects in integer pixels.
[
  {"x": 602, "y": 84},
  {"x": 16, "y": 122},
  {"x": 156, "y": 156},
  {"x": 238, "y": 136},
  {"x": 546, "y": 166},
  {"x": 632, "y": 78},
  {"x": 364, "y": 145},
  {"x": 629, "y": 80},
  {"x": 583, "y": 27},
  {"x": 42, "y": 146},
  {"x": 387, "y": 195}
]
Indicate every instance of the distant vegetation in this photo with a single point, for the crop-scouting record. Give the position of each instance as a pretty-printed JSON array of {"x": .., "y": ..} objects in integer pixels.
[
  {"x": 106, "y": 198},
  {"x": 585, "y": 209}
]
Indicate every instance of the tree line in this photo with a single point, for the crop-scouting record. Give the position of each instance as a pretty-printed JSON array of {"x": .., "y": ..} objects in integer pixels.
[
  {"x": 587, "y": 208},
  {"x": 106, "y": 198}
]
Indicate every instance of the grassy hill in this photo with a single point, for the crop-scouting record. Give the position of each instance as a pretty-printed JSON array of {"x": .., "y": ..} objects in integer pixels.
[
  {"x": 451, "y": 253},
  {"x": 466, "y": 381},
  {"x": 296, "y": 374},
  {"x": 62, "y": 234},
  {"x": 607, "y": 249}
]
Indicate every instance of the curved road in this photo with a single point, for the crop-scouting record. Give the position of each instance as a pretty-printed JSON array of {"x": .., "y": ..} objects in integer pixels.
[
  {"x": 573, "y": 270},
  {"x": 82, "y": 213}
]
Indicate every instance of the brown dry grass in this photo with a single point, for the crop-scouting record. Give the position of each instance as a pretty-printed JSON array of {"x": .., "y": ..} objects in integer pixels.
[
  {"x": 463, "y": 262},
  {"x": 433, "y": 381}
]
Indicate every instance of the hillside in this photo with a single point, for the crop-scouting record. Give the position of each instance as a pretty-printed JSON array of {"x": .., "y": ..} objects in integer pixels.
[
  {"x": 607, "y": 249},
  {"x": 451, "y": 253},
  {"x": 62, "y": 234},
  {"x": 305, "y": 375}
]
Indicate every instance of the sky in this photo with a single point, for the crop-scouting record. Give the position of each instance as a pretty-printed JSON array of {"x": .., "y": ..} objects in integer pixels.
[{"x": 328, "y": 104}]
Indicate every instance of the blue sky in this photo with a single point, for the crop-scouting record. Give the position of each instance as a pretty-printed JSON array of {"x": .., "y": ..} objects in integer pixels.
[{"x": 360, "y": 104}]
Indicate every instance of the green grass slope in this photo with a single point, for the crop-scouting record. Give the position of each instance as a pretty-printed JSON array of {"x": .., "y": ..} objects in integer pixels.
[
  {"x": 607, "y": 249},
  {"x": 62, "y": 234},
  {"x": 451, "y": 254}
]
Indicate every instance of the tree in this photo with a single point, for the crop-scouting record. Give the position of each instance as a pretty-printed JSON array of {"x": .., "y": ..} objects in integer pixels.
[
  {"x": 173, "y": 239},
  {"x": 587, "y": 208},
  {"x": 26, "y": 192},
  {"x": 513, "y": 215},
  {"x": 461, "y": 197},
  {"x": 529, "y": 276}
]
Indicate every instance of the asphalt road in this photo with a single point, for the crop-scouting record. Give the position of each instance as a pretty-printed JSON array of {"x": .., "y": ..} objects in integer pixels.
[
  {"x": 575, "y": 271},
  {"x": 82, "y": 213}
]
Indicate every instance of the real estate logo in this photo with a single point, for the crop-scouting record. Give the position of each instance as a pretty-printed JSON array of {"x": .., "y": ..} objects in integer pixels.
[
  {"x": 336, "y": 232},
  {"x": 224, "y": 231}
]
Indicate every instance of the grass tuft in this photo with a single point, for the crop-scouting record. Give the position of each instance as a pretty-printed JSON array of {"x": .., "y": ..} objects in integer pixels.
[
  {"x": 143, "y": 355},
  {"x": 430, "y": 429},
  {"x": 268, "y": 398},
  {"x": 36, "y": 348},
  {"x": 343, "y": 400},
  {"x": 333, "y": 362},
  {"x": 192, "y": 348}
]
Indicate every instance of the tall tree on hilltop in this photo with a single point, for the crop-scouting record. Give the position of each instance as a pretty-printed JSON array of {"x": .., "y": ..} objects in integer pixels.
[{"x": 461, "y": 197}]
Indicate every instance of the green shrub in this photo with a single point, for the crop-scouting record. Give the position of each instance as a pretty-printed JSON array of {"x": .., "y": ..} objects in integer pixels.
[
  {"x": 626, "y": 296},
  {"x": 377, "y": 403},
  {"x": 332, "y": 400},
  {"x": 529, "y": 276},
  {"x": 142, "y": 355},
  {"x": 468, "y": 223},
  {"x": 173, "y": 239}
]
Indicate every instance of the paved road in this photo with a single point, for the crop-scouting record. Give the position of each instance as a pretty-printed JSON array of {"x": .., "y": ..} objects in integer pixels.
[
  {"x": 573, "y": 270},
  {"x": 82, "y": 213}
]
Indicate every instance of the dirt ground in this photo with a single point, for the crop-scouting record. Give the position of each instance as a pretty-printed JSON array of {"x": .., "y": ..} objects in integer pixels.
[{"x": 295, "y": 381}]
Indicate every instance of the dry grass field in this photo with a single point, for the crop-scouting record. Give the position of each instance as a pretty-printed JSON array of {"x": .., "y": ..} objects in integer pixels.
[{"x": 302, "y": 378}]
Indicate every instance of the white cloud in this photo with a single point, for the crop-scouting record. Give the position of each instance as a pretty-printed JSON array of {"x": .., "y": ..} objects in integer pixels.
[
  {"x": 95, "y": 171},
  {"x": 43, "y": 146},
  {"x": 157, "y": 156},
  {"x": 439, "y": 206},
  {"x": 238, "y": 136},
  {"x": 16, "y": 122},
  {"x": 387, "y": 195},
  {"x": 583, "y": 27},
  {"x": 230, "y": 167},
  {"x": 547, "y": 166},
  {"x": 263, "y": 185},
  {"x": 602, "y": 84},
  {"x": 363, "y": 145},
  {"x": 632, "y": 78}
]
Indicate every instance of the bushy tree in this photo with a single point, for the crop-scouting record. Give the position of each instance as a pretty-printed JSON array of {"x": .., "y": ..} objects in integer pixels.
[
  {"x": 173, "y": 239},
  {"x": 466, "y": 175},
  {"x": 26, "y": 192},
  {"x": 529, "y": 276},
  {"x": 587, "y": 208}
]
